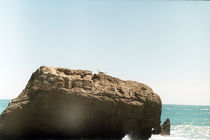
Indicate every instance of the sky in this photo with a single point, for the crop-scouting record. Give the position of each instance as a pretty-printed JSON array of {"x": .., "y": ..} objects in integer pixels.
[{"x": 164, "y": 44}]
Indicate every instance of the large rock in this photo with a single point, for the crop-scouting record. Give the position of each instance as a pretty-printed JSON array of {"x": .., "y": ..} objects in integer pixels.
[{"x": 59, "y": 102}]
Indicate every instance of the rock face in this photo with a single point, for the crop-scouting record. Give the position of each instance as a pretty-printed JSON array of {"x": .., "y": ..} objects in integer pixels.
[
  {"x": 165, "y": 128},
  {"x": 59, "y": 102}
]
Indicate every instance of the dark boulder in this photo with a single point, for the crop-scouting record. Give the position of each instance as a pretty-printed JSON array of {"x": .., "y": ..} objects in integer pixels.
[
  {"x": 165, "y": 128},
  {"x": 59, "y": 102}
]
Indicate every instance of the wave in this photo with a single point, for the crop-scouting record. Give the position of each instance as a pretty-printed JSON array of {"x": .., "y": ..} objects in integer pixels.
[
  {"x": 183, "y": 132},
  {"x": 205, "y": 109},
  {"x": 158, "y": 137},
  {"x": 186, "y": 132}
]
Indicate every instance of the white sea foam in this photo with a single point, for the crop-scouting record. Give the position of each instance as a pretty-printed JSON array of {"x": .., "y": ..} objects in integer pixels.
[
  {"x": 169, "y": 108},
  {"x": 126, "y": 137},
  {"x": 158, "y": 137},
  {"x": 186, "y": 132},
  {"x": 183, "y": 132},
  {"x": 205, "y": 109}
]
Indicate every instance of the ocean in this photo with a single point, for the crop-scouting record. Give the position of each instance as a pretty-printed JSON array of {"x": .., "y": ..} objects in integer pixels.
[{"x": 188, "y": 122}]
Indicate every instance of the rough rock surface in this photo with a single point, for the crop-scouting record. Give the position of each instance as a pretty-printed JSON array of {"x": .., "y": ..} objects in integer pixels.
[
  {"x": 59, "y": 102},
  {"x": 165, "y": 128}
]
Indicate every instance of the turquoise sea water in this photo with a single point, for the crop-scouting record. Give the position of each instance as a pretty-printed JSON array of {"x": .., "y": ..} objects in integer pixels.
[
  {"x": 3, "y": 104},
  {"x": 187, "y": 122}
]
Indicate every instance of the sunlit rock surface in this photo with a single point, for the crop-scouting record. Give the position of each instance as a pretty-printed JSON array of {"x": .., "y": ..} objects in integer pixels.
[{"x": 59, "y": 102}]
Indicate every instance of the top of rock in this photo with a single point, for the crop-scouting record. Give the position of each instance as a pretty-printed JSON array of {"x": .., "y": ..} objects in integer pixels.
[
  {"x": 86, "y": 83},
  {"x": 96, "y": 81}
]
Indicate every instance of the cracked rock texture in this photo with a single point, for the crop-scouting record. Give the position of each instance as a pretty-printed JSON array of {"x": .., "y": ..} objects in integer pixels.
[{"x": 60, "y": 102}]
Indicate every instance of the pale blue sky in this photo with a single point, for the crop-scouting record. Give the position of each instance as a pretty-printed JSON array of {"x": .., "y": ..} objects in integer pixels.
[{"x": 164, "y": 44}]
